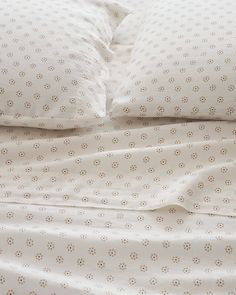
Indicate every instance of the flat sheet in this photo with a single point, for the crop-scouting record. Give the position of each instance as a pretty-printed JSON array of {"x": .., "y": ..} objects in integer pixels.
[
  {"x": 189, "y": 164},
  {"x": 102, "y": 210},
  {"x": 46, "y": 250}
]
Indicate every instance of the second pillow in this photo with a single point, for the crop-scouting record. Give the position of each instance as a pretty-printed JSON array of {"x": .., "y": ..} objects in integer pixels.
[{"x": 183, "y": 63}]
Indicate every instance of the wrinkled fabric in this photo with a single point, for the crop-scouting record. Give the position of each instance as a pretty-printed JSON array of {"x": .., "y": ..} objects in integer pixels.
[
  {"x": 189, "y": 164},
  {"x": 62, "y": 251},
  {"x": 52, "y": 248}
]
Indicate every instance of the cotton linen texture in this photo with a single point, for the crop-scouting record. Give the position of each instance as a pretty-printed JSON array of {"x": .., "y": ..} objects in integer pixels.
[
  {"x": 183, "y": 63},
  {"x": 189, "y": 164},
  {"x": 142, "y": 173},
  {"x": 52, "y": 64},
  {"x": 85, "y": 251}
]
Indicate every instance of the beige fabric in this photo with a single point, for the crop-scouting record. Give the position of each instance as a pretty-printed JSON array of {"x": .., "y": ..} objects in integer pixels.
[
  {"x": 128, "y": 30},
  {"x": 47, "y": 250},
  {"x": 190, "y": 164},
  {"x": 60, "y": 250},
  {"x": 53, "y": 61},
  {"x": 182, "y": 63}
]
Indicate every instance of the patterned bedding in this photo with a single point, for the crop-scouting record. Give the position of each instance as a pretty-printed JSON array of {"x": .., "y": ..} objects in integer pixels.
[{"x": 129, "y": 206}]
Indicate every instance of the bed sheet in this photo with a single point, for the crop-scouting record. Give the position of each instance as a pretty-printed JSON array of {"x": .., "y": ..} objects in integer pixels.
[
  {"x": 46, "y": 250},
  {"x": 52, "y": 242},
  {"x": 128, "y": 206},
  {"x": 189, "y": 164}
]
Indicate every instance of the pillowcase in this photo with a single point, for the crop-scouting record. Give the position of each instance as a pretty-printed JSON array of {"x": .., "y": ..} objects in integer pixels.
[
  {"x": 183, "y": 63},
  {"x": 52, "y": 61}
]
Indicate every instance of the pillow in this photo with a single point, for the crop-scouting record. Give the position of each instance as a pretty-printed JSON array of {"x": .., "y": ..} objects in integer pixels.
[
  {"x": 52, "y": 61},
  {"x": 183, "y": 63}
]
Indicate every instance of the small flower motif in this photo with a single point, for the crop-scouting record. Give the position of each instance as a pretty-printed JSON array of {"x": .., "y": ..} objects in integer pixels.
[
  {"x": 230, "y": 111},
  {"x": 228, "y": 249},
  {"x": 176, "y": 283},
  {"x": 208, "y": 247},
  {"x": 29, "y": 242},
  {"x": 47, "y": 86},
  {"x": 218, "y": 262},
  {"x": 80, "y": 262},
  {"x": 50, "y": 245},
  {"x": 196, "y": 260},
  {"x": 231, "y": 88},
  {"x": 39, "y": 256},
  {"x": 122, "y": 266},
  {"x": 143, "y": 109},
  {"x": 115, "y": 165},
  {"x": 110, "y": 278},
  {"x": 59, "y": 259},
  {"x": 196, "y": 88},
  {"x": 133, "y": 255},
  {"x": 21, "y": 280},
  {"x": 10, "y": 215},
  {"x": 2, "y": 280},
  {"x": 112, "y": 252},
  {"x": 153, "y": 281},
  {"x": 197, "y": 282},
  {"x": 212, "y": 110},
  {"x": 178, "y": 88},
  {"x": 186, "y": 270},
  {"x": 70, "y": 248},
  {"x": 126, "y": 110},
  {"x": 211, "y": 159},
  {"x": 220, "y": 282},
  {"x": 184, "y": 99},
  {"x": 175, "y": 259},
  {"x": 127, "y": 156},
  {"x": 133, "y": 167},
  {"x": 132, "y": 281},
  {"x": 10, "y": 241},
  {"x": 165, "y": 244},
  {"x": 18, "y": 253},
  {"x": 43, "y": 283},
  {"x": 154, "y": 256},
  {"x": 143, "y": 268},
  {"x": 187, "y": 246},
  {"x": 160, "y": 109},
  {"x": 165, "y": 269},
  {"x": 19, "y": 93},
  {"x": 92, "y": 251},
  {"x": 163, "y": 162}
]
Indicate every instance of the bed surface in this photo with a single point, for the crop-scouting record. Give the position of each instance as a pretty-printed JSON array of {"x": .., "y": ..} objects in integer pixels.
[
  {"x": 62, "y": 250},
  {"x": 101, "y": 210}
]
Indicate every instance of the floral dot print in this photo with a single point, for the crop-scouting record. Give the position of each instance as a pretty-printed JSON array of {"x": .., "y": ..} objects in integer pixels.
[
  {"x": 195, "y": 257},
  {"x": 190, "y": 164},
  {"x": 140, "y": 206},
  {"x": 182, "y": 63},
  {"x": 53, "y": 61}
]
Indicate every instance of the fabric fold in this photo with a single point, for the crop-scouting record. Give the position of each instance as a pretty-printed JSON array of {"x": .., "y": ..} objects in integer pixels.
[{"x": 192, "y": 165}]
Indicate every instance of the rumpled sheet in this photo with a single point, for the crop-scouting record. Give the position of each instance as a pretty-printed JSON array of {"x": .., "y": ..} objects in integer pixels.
[
  {"x": 189, "y": 164},
  {"x": 46, "y": 250},
  {"x": 138, "y": 175}
]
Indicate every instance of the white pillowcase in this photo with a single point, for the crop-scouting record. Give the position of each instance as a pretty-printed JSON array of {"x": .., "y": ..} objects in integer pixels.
[
  {"x": 183, "y": 63},
  {"x": 52, "y": 61}
]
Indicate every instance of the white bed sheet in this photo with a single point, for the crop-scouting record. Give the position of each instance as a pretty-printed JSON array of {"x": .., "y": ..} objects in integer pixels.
[
  {"x": 136, "y": 239},
  {"x": 189, "y": 164},
  {"x": 72, "y": 251}
]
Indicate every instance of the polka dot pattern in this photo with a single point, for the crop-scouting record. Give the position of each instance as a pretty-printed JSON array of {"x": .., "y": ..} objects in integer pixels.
[
  {"x": 189, "y": 164},
  {"x": 53, "y": 61},
  {"x": 54, "y": 250},
  {"x": 142, "y": 173},
  {"x": 182, "y": 63}
]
